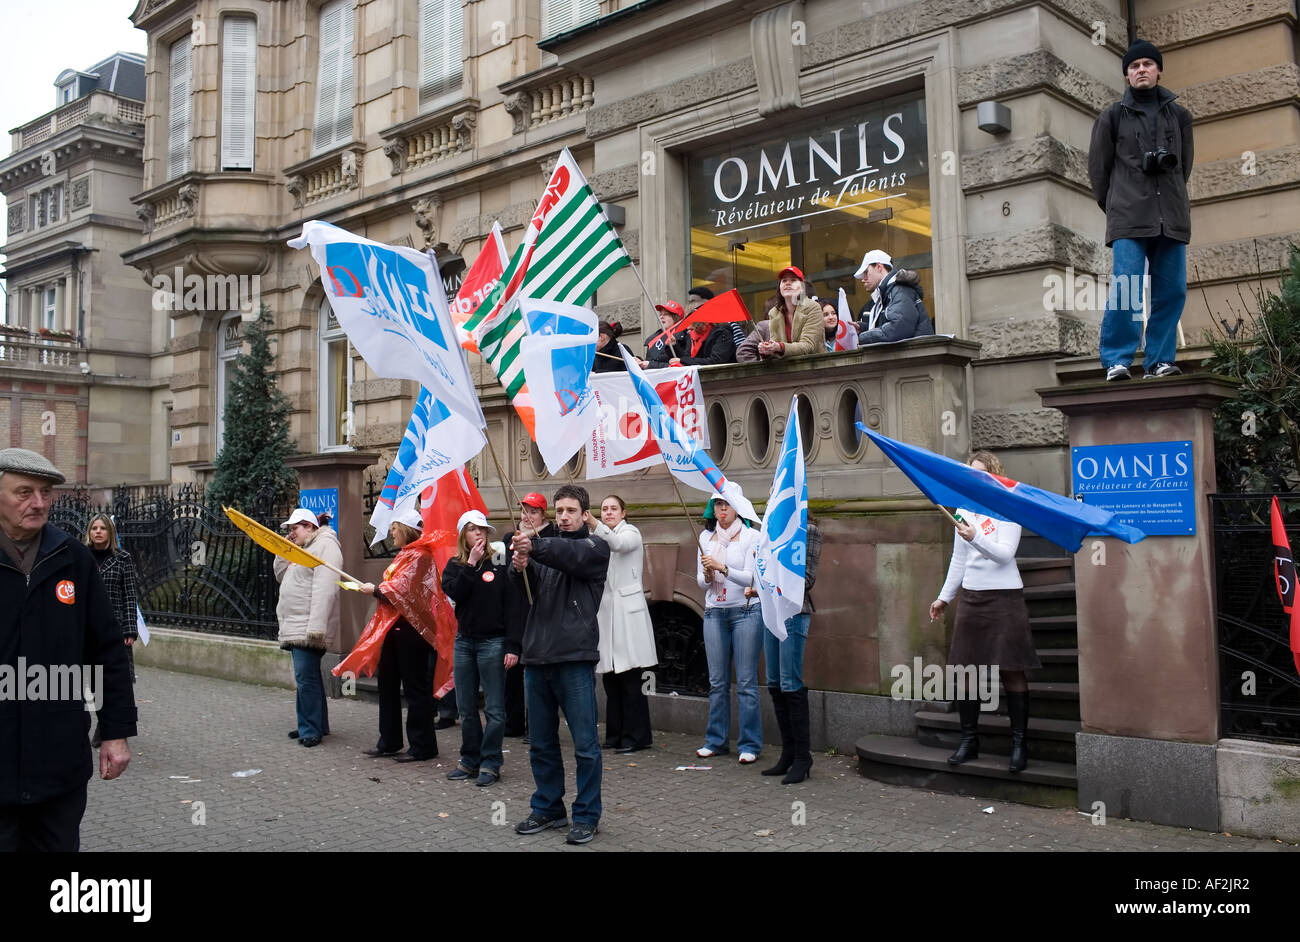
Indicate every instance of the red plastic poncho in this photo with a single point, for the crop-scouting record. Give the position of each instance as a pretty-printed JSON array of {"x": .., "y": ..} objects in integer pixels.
[{"x": 412, "y": 591}]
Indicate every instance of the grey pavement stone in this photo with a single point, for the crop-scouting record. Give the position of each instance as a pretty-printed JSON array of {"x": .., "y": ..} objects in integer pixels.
[{"x": 196, "y": 731}]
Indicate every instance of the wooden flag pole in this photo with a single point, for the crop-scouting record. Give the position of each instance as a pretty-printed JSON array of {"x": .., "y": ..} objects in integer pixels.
[
  {"x": 950, "y": 517},
  {"x": 646, "y": 292},
  {"x": 689, "y": 519},
  {"x": 528, "y": 590}
]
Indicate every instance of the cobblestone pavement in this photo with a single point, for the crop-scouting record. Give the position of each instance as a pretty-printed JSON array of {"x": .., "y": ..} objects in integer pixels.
[{"x": 196, "y": 732}]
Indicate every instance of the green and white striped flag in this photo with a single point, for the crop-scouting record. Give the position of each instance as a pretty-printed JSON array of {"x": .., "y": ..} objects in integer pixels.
[{"x": 569, "y": 250}]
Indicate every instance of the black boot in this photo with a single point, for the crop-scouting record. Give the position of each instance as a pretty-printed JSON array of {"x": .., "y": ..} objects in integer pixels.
[
  {"x": 801, "y": 767},
  {"x": 1018, "y": 710},
  {"x": 969, "y": 747},
  {"x": 782, "y": 707}
]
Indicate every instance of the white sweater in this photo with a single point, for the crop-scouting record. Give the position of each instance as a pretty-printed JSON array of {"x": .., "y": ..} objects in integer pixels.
[
  {"x": 740, "y": 562},
  {"x": 986, "y": 562}
]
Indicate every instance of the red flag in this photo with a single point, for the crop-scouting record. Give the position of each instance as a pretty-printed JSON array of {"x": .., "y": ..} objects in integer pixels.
[
  {"x": 1284, "y": 575},
  {"x": 441, "y": 507},
  {"x": 723, "y": 309},
  {"x": 479, "y": 281}
]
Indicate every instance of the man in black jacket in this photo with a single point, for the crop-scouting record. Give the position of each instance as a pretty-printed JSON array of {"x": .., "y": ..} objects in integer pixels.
[
  {"x": 57, "y": 629},
  {"x": 1139, "y": 162},
  {"x": 566, "y": 574}
]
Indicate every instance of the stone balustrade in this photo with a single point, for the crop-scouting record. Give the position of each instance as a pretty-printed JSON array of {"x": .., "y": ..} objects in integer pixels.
[
  {"x": 546, "y": 96},
  {"x": 98, "y": 105},
  {"x": 324, "y": 176},
  {"x": 35, "y": 352},
  {"x": 431, "y": 137}
]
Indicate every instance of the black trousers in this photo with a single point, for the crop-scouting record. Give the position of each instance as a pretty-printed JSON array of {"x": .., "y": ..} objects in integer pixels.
[
  {"x": 404, "y": 671},
  {"x": 516, "y": 715},
  {"x": 47, "y": 826},
  {"x": 444, "y": 708},
  {"x": 627, "y": 711}
]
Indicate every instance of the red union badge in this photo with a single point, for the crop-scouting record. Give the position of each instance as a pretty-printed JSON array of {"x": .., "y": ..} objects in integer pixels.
[
  {"x": 489, "y": 576},
  {"x": 66, "y": 592}
]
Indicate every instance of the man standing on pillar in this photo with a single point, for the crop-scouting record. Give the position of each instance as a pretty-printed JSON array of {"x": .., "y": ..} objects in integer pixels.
[{"x": 1139, "y": 163}]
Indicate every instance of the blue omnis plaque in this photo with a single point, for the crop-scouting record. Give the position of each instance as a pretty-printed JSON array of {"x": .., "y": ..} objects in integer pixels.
[
  {"x": 1150, "y": 485},
  {"x": 322, "y": 500}
]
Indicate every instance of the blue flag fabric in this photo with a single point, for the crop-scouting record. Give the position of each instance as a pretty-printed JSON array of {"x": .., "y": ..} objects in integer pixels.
[
  {"x": 783, "y": 538},
  {"x": 952, "y": 484}
]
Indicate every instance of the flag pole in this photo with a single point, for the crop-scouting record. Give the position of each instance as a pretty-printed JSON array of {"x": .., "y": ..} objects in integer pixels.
[
  {"x": 951, "y": 518},
  {"x": 509, "y": 507},
  {"x": 689, "y": 519},
  {"x": 646, "y": 292}
]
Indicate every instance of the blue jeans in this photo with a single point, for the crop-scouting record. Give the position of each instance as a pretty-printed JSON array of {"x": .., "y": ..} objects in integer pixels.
[
  {"x": 313, "y": 715},
  {"x": 481, "y": 661},
  {"x": 784, "y": 659},
  {"x": 1122, "y": 323},
  {"x": 549, "y": 688},
  {"x": 739, "y": 630}
]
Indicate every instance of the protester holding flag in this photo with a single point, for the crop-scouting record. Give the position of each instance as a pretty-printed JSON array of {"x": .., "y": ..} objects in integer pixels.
[
  {"x": 608, "y": 357},
  {"x": 784, "y": 660},
  {"x": 627, "y": 636},
  {"x": 406, "y": 610},
  {"x": 709, "y": 345},
  {"x": 794, "y": 319},
  {"x": 733, "y": 629},
  {"x": 489, "y": 630},
  {"x": 663, "y": 345},
  {"x": 533, "y": 522},
  {"x": 698, "y": 296},
  {"x": 992, "y": 627}
]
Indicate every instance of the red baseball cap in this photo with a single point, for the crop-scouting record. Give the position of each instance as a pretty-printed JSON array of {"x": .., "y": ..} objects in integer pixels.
[
  {"x": 534, "y": 500},
  {"x": 789, "y": 268},
  {"x": 673, "y": 308}
]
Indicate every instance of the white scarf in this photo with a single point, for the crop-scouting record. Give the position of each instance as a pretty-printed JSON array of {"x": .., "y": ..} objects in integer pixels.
[{"x": 721, "y": 539}]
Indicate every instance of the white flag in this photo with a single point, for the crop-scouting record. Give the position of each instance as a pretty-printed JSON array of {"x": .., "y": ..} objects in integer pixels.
[
  {"x": 557, "y": 355},
  {"x": 783, "y": 537},
  {"x": 623, "y": 441},
  {"x": 846, "y": 331}
]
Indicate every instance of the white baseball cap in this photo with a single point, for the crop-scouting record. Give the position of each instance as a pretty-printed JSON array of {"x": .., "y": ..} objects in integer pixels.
[
  {"x": 411, "y": 517},
  {"x": 874, "y": 257},
  {"x": 475, "y": 517},
  {"x": 301, "y": 515}
]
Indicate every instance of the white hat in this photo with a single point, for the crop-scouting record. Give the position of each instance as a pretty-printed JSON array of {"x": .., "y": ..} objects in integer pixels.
[
  {"x": 875, "y": 256},
  {"x": 475, "y": 517},
  {"x": 411, "y": 517},
  {"x": 301, "y": 515}
]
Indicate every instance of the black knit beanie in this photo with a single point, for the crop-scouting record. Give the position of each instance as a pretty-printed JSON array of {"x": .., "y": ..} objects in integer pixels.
[{"x": 1142, "y": 49}]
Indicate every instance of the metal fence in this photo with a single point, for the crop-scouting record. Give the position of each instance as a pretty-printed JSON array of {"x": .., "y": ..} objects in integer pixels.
[
  {"x": 1258, "y": 681},
  {"x": 197, "y": 570}
]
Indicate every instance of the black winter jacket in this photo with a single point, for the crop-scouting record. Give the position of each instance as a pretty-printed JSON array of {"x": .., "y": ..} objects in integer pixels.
[
  {"x": 1139, "y": 205},
  {"x": 904, "y": 315},
  {"x": 657, "y": 351},
  {"x": 603, "y": 364},
  {"x": 718, "y": 347},
  {"x": 57, "y": 618},
  {"x": 485, "y": 607},
  {"x": 567, "y": 576}
]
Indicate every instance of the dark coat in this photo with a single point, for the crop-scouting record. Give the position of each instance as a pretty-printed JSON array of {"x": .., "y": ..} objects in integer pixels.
[
  {"x": 904, "y": 315},
  {"x": 718, "y": 347},
  {"x": 1139, "y": 205},
  {"x": 657, "y": 351},
  {"x": 58, "y": 617},
  {"x": 603, "y": 364},
  {"x": 566, "y": 573},
  {"x": 122, "y": 585},
  {"x": 485, "y": 608}
]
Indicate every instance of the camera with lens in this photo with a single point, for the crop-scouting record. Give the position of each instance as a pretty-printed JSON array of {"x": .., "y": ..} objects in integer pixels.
[{"x": 1159, "y": 161}]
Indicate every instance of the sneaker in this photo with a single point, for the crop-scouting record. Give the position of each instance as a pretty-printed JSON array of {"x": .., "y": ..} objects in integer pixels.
[
  {"x": 461, "y": 774},
  {"x": 581, "y": 833},
  {"x": 1162, "y": 369},
  {"x": 309, "y": 741},
  {"x": 534, "y": 824},
  {"x": 293, "y": 734},
  {"x": 486, "y": 779},
  {"x": 1117, "y": 372},
  {"x": 747, "y": 758}
]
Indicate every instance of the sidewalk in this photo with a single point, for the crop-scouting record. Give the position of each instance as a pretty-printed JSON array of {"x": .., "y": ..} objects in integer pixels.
[{"x": 196, "y": 731}]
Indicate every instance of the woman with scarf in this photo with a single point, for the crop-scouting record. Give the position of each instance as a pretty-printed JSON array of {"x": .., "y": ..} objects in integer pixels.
[
  {"x": 733, "y": 629},
  {"x": 411, "y": 616}
]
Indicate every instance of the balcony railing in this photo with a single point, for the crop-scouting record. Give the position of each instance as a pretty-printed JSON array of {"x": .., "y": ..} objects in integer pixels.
[
  {"x": 546, "y": 96},
  {"x": 431, "y": 137},
  {"x": 100, "y": 105},
  {"x": 324, "y": 176},
  {"x": 31, "y": 350}
]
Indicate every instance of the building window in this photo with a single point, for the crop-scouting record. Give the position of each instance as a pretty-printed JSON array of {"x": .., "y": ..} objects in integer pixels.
[
  {"x": 440, "y": 50},
  {"x": 178, "y": 110},
  {"x": 333, "y": 125},
  {"x": 50, "y": 307},
  {"x": 64, "y": 94},
  {"x": 335, "y": 391},
  {"x": 230, "y": 340},
  {"x": 47, "y": 206},
  {"x": 818, "y": 195},
  {"x": 238, "y": 91},
  {"x": 560, "y": 16}
]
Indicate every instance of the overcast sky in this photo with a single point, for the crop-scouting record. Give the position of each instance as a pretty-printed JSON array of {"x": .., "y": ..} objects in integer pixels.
[{"x": 47, "y": 36}]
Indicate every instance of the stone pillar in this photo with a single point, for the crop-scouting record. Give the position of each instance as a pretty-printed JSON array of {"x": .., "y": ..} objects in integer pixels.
[
  {"x": 342, "y": 469},
  {"x": 1148, "y": 657}
]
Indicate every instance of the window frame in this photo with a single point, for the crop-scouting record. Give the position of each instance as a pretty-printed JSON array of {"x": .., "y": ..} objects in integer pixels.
[
  {"x": 328, "y": 337},
  {"x": 231, "y": 159},
  {"x": 326, "y": 135},
  {"x": 178, "y": 143},
  {"x": 449, "y": 85}
]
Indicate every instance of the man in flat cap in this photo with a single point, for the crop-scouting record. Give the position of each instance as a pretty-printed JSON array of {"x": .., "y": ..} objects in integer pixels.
[
  {"x": 60, "y": 649},
  {"x": 1138, "y": 163}
]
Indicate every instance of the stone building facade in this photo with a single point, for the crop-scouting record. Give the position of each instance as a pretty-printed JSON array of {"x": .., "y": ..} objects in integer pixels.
[{"x": 77, "y": 348}]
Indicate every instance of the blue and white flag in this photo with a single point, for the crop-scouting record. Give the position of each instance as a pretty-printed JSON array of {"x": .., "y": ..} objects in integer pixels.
[
  {"x": 391, "y": 302},
  {"x": 783, "y": 537},
  {"x": 685, "y": 457},
  {"x": 437, "y": 441},
  {"x": 557, "y": 355}
]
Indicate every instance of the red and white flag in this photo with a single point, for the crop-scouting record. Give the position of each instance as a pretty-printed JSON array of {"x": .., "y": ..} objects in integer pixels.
[
  {"x": 846, "y": 331},
  {"x": 1284, "y": 576},
  {"x": 441, "y": 507},
  {"x": 479, "y": 281},
  {"x": 623, "y": 441}
]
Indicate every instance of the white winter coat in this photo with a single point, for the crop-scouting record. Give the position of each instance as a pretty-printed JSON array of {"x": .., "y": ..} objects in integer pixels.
[
  {"x": 308, "y": 610},
  {"x": 627, "y": 636}
]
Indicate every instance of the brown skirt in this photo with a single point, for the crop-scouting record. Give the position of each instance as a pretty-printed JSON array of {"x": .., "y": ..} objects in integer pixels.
[{"x": 993, "y": 628}]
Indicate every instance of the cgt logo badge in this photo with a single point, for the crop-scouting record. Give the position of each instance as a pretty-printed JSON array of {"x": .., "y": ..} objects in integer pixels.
[{"x": 66, "y": 592}]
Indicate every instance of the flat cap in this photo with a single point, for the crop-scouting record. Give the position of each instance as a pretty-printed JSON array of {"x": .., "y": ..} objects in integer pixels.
[{"x": 22, "y": 461}]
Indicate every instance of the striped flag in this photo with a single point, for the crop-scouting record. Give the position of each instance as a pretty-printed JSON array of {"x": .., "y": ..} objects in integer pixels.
[{"x": 568, "y": 251}]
